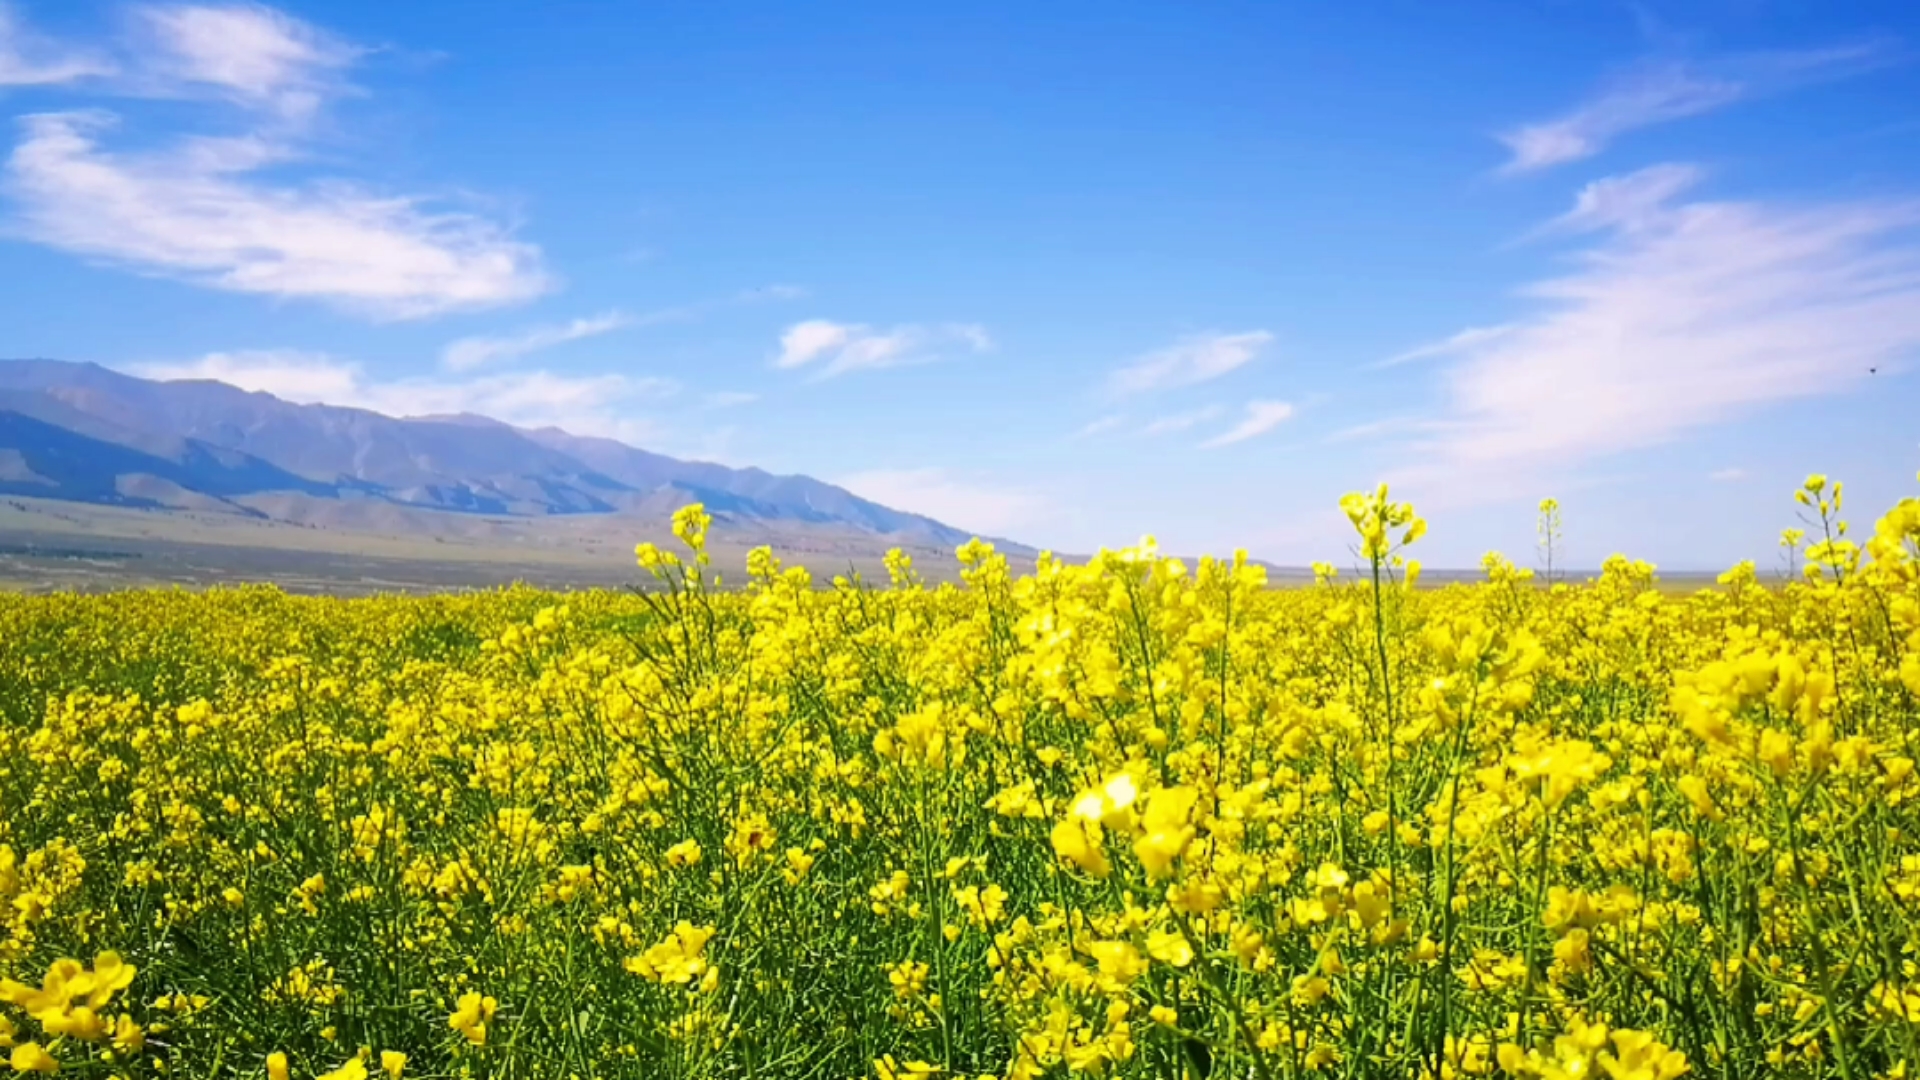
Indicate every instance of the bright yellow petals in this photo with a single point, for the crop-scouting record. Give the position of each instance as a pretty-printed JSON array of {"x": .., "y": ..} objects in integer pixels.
[
  {"x": 470, "y": 1016},
  {"x": 1170, "y": 947},
  {"x": 1165, "y": 829},
  {"x": 1119, "y": 961},
  {"x": 1079, "y": 842},
  {"x": 683, "y": 854},
  {"x": 678, "y": 960},
  {"x": 353, "y": 1069},
  {"x": 32, "y": 1057},
  {"x": 887, "y": 1068}
]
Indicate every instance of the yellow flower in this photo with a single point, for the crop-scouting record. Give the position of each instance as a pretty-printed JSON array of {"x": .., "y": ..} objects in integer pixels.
[
  {"x": 677, "y": 960},
  {"x": 909, "y": 978},
  {"x": 690, "y": 525},
  {"x": 78, "y": 1022},
  {"x": 354, "y": 1069},
  {"x": 110, "y": 975},
  {"x": 1194, "y": 897},
  {"x": 470, "y": 1016},
  {"x": 683, "y": 854},
  {"x": 391, "y": 1062},
  {"x": 1119, "y": 961},
  {"x": 886, "y": 1068},
  {"x": 32, "y": 1057},
  {"x": 277, "y": 1066},
  {"x": 1169, "y": 947},
  {"x": 1558, "y": 769},
  {"x": 1310, "y": 989},
  {"x": 1638, "y": 1056},
  {"x": 1110, "y": 804},
  {"x": 1695, "y": 790},
  {"x": 1079, "y": 841},
  {"x": 799, "y": 863},
  {"x": 1165, "y": 829}
]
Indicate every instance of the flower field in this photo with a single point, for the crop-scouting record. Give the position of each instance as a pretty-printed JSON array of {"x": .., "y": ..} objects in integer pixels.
[{"x": 1133, "y": 818}]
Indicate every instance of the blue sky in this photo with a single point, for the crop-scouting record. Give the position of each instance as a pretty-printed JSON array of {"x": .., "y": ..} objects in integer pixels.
[{"x": 1068, "y": 273}]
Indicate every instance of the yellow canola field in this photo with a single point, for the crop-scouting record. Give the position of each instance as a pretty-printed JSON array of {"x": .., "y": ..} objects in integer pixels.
[{"x": 1136, "y": 818}]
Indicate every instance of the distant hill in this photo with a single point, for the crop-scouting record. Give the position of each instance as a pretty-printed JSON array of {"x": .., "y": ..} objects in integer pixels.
[{"x": 85, "y": 433}]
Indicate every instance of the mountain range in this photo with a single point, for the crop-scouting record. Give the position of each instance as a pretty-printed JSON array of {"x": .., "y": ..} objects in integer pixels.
[{"x": 79, "y": 432}]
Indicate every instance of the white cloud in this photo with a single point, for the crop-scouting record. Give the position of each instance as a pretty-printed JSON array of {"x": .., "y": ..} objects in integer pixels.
[
  {"x": 1166, "y": 425},
  {"x": 1261, "y": 417},
  {"x": 729, "y": 399},
  {"x": 294, "y": 374},
  {"x": 1647, "y": 97},
  {"x": 843, "y": 347},
  {"x": 473, "y": 352},
  {"x": 585, "y": 405},
  {"x": 1684, "y": 316},
  {"x": 701, "y": 308},
  {"x": 220, "y": 211},
  {"x": 805, "y": 341},
  {"x": 198, "y": 212},
  {"x": 1452, "y": 346},
  {"x": 975, "y": 335},
  {"x": 1727, "y": 476},
  {"x": 1656, "y": 93},
  {"x": 956, "y": 499},
  {"x": 1625, "y": 202},
  {"x": 1195, "y": 359},
  {"x": 248, "y": 53},
  {"x": 1101, "y": 426},
  {"x": 27, "y": 59},
  {"x": 1384, "y": 428}
]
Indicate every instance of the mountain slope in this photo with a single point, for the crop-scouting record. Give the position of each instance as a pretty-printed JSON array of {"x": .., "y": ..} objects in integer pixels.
[
  {"x": 82, "y": 432},
  {"x": 442, "y": 466},
  {"x": 43, "y": 459},
  {"x": 801, "y": 498}
]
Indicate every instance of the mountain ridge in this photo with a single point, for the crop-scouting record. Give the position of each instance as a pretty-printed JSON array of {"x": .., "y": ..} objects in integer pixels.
[{"x": 111, "y": 438}]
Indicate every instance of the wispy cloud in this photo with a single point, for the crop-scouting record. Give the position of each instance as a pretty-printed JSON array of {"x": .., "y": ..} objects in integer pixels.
[
  {"x": 1679, "y": 315},
  {"x": 1195, "y": 359},
  {"x": 473, "y": 352},
  {"x": 962, "y": 500},
  {"x": 1390, "y": 427},
  {"x": 247, "y": 53},
  {"x": 729, "y": 399},
  {"x": 700, "y": 309},
  {"x": 1181, "y": 421},
  {"x": 607, "y": 404},
  {"x": 29, "y": 59},
  {"x": 834, "y": 348},
  {"x": 1625, "y": 202},
  {"x": 220, "y": 212},
  {"x": 1645, "y": 97},
  {"x": 1261, "y": 417},
  {"x": 1101, "y": 425},
  {"x": 1727, "y": 476},
  {"x": 478, "y": 351},
  {"x": 197, "y": 212},
  {"x": 1452, "y": 346},
  {"x": 1658, "y": 92}
]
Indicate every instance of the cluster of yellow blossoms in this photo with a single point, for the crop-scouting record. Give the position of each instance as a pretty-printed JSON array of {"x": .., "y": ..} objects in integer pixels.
[
  {"x": 67, "y": 1005},
  {"x": 1129, "y": 818}
]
